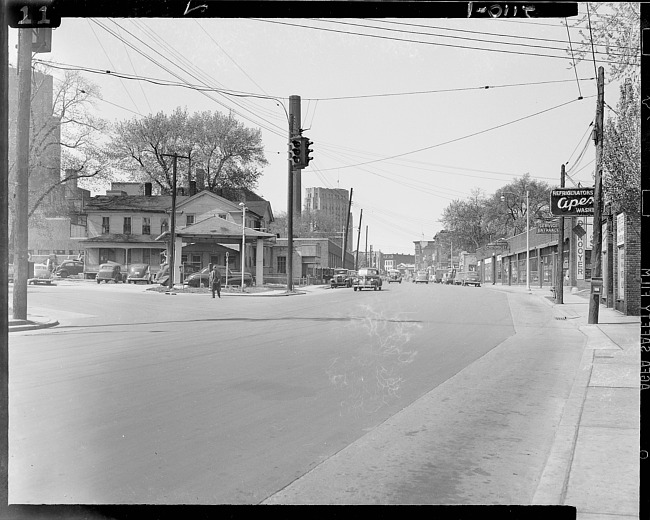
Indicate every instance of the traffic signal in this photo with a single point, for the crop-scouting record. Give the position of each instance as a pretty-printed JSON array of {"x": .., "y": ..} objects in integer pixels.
[
  {"x": 306, "y": 143},
  {"x": 295, "y": 151}
]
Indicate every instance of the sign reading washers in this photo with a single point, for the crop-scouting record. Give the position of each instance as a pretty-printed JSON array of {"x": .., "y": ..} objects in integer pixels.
[{"x": 572, "y": 201}]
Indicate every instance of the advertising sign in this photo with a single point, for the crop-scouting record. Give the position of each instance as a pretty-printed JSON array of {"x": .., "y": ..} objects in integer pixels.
[
  {"x": 547, "y": 228},
  {"x": 572, "y": 201}
]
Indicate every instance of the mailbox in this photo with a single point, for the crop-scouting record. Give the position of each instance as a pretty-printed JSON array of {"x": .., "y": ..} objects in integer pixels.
[{"x": 596, "y": 284}]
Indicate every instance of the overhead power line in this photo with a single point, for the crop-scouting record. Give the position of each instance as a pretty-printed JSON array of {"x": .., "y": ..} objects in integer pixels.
[{"x": 455, "y": 140}]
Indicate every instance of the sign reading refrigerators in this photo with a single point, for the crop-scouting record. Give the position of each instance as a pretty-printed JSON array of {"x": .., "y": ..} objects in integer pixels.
[{"x": 572, "y": 201}]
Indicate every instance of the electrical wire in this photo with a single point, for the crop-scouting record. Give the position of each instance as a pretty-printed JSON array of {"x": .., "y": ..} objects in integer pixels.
[
  {"x": 573, "y": 59},
  {"x": 412, "y": 41},
  {"x": 591, "y": 39},
  {"x": 474, "y": 134}
]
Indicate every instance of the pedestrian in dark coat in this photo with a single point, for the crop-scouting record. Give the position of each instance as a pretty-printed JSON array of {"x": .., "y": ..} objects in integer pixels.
[{"x": 215, "y": 281}]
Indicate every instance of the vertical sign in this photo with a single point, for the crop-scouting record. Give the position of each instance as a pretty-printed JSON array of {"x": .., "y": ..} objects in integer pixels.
[{"x": 580, "y": 252}]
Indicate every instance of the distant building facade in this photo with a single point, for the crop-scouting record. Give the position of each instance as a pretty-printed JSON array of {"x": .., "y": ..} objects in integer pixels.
[{"x": 333, "y": 204}]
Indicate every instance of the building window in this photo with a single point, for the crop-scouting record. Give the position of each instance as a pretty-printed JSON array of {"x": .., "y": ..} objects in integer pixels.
[
  {"x": 146, "y": 226},
  {"x": 282, "y": 265},
  {"x": 106, "y": 225},
  {"x": 127, "y": 225},
  {"x": 164, "y": 225},
  {"x": 189, "y": 220}
]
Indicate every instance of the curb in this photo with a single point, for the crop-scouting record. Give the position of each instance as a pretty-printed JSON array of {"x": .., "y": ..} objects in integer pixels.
[{"x": 23, "y": 325}]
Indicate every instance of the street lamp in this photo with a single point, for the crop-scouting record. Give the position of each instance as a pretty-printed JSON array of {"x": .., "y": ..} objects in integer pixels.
[
  {"x": 527, "y": 236},
  {"x": 243, "y": 242}
]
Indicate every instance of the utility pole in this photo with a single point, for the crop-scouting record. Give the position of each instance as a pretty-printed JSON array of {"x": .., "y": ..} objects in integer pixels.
[
  {"x": 559, "y": 268},
  {"x": 294, "y": 130},
  {"x": 596, "y": 259},
  {"x": 22, "y": 174},
  {"x": 367, "y": 246},
  {"x": 172, "y": 242},
  {"x": 345, "y": 231},
  {"x": 356, "y": 257}
]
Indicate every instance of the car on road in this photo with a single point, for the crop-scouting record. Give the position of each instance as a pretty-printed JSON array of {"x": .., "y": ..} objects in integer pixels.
[
  {"x": 421, "y": 277},
  {"x": 469, "y": 278},
  {"x": 110, "y": 271},
  {"x": 41, "y": 275},
  {"x": 139, "y": 273},
  {"x": 367, "y": 278},
  {"x": 341, "y": 278},
  {"x": 394, "y": 276},
  {"x": 69, "y": 268},
  {"x": 201, "y": 278}
]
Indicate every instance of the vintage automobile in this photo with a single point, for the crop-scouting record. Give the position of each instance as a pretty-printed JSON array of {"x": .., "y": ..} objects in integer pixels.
[
  {"x": 110, "y": 271},
  {"x": 394, "y": 276},
  {"x": 421, "y": 277},
  {"x": 41, "y": 275},
  {"x": 367, "y": 278},
  {"x": 139, "y": 273},
  {"x": 162, "y": 276},
  {"x": 449, "y": 276},
  {"x": 200, "y": 278},
  {"x": 468, "y": 278},
  {"x": 69, "y": 268},
  {"x": 341, "y": 278}
]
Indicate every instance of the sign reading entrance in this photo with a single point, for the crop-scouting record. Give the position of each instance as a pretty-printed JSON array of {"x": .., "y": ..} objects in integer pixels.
[
  {"x": 547, "y": 228},
  {"x": 572, "y": 201}
]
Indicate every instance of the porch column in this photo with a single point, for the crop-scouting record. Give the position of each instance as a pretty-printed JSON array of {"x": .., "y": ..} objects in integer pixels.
[
  {"x": 259, "y": 262},
  {"x": 178, "y": 255}
]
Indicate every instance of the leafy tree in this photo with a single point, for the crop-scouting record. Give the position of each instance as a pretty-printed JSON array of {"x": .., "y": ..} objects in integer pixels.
[
  {"x": 65, "y": 143},
  {"x": 474, "y": 222},
  {"x": 622, "y": 152},
  {"x": 614, "y": 27},
  {"x": 229, "y": 153}
]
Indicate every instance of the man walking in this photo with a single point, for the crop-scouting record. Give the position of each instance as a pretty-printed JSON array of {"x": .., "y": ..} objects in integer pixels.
[{"x": 215, "y": 281}]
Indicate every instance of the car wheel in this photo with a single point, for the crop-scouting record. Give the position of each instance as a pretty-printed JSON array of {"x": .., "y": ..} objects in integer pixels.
[
  {"x": 99, "y": 281},
  {"x": 63, "y": 274}
]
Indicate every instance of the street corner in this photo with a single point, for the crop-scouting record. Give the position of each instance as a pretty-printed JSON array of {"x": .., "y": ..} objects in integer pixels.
[{"x": 31, "y": 324}]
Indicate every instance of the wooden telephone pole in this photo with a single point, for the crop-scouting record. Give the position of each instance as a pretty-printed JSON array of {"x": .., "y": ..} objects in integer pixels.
[{"x": 596, "y": 258}]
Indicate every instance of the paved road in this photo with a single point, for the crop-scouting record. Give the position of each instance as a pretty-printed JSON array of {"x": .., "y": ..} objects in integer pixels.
[{"x": 141, "y": 397}]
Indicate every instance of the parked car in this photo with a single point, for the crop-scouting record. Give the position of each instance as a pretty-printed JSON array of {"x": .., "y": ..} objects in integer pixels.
[
  {"x": 421, "y": 277},
  {"x": 41, "y": 275},
  {"x": 469, "y": 278},
  {"x": 69, "y": 268},
  {"x": 394, "y": 276},
  {"x": 367, "y": 278},
  {"x": 110, "y": 271},
  {"x": 201, "y": 278},
  {"x": 449, "y": 276},
  {"x": 139, "y": 273},
  {"x": 341, "y": 278},
  {"x": 162, "y": 276}
]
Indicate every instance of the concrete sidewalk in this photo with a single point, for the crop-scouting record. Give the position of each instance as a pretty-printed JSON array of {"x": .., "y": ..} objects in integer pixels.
[{"x": 594, "y": 462}]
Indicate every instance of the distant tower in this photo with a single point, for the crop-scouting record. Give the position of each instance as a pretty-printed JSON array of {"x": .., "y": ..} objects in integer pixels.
[{"x": 333, "y": 203}]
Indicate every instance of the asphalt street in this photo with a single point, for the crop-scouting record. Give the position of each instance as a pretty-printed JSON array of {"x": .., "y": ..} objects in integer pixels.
[{"x": 142, "y": 397}]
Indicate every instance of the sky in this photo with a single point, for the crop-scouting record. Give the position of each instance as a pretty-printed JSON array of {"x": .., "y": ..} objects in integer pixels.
[{"x": 397, "y": 109}]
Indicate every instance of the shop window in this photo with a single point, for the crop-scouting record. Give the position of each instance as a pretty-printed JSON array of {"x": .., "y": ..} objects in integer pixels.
[{"x": 282, "y": 265}]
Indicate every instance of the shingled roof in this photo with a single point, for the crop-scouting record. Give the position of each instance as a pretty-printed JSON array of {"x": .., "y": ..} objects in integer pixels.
[{"x": 141, "y": 203}]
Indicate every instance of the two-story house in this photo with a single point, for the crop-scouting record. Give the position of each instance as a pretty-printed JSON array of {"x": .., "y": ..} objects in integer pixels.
[{"x": 126, "y": 227}]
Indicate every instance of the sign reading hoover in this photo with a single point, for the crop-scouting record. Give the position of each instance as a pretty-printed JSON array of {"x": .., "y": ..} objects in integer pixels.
[{"x": 572, "y": 201}]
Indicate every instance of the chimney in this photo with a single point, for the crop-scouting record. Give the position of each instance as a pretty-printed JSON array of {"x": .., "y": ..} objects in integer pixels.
[
  {"x": 192, "y": 188},
  {"x": 147, "y": 189},
  {"x": 72, "y": 183},
  {"x": 200, "y": 179}
]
